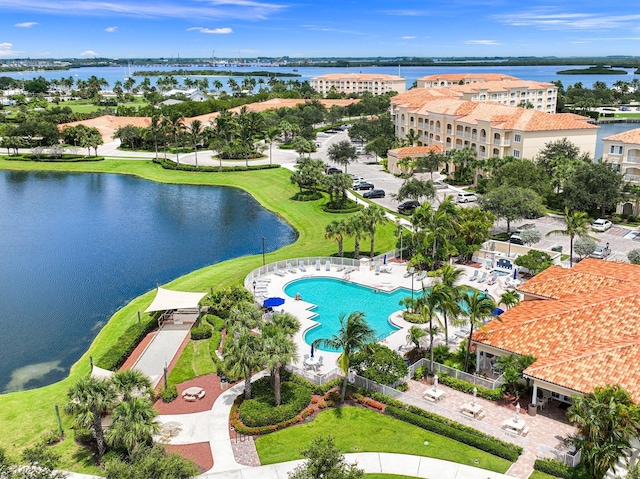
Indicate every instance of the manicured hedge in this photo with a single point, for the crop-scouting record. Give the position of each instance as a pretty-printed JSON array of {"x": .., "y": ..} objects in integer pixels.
[
  {"x": 170, "y": 165},
  {"x": 260, "y": 411},
  {"x": 553, "y": 468},
  {"x": 316, "y": 389},
  {"x": 457, "y": 432},
  {"x": 466, "y": 387},
  {"x": 67, "y": 158},
  {"x": 121, "y": 349},
  {"x": 203, "y": 331}
]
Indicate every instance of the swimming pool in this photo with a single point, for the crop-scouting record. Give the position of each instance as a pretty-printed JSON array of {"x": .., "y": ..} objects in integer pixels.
[{"x": 334, "y": 297}]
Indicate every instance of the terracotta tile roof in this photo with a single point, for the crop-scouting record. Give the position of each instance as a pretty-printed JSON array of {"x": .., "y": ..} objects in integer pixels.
[
  {"x": 502, "y": 85},
  {"x": 468, "y": 76},
  {"x": 108, "y": 124},
  {"x": 418, "y": 97},
  {"x": 586, "y": 335},
  {"x": 415, "y": 150},
  {"x": 358, "y": 77},
  {"x": 631, "y": 137}
]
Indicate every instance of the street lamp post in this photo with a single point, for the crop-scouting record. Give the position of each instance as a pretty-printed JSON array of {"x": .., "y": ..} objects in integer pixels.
[{"x": 254, "y": 289}]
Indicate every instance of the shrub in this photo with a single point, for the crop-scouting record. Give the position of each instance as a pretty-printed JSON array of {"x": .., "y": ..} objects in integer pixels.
[
  {"x": 260, "y": 411},
  {"x": 380, "y": 364},
  {"x": 403, "y": 387},
  {"x": 50, "y": 437},
  {"x": 83, "y": 436},
  {"x": 216, "y": 321},
  {"x": 348, "y": 206},
  {"x": 634, "y": 256},
  {"x": 316, "y": 389},
  {"x": 307, "y": 196},
  {"x": 170, "y": 165},
  {"x": 169, "y": 393},
  {"x": 466, "y": 387},
  {"x": 117, "y": 354},
  {"x": 220, "y": 302},
  {"x": 553, "y": 468},
  {"x": 414, "y": 318},
  {"x": 420, "y": 373},
  {"x": 203, "y": 331}
]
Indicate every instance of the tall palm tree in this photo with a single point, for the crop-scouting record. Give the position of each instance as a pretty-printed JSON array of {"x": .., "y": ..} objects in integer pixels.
[
  {"x": 510, "y": 298},
  {"x": 576, "y": 224},
  {"x": 354, "y": 334},
  {"x": 414, "y": 335},
  {"x": 336, "y": 231},
  {"x": 243, "y": 354},
  {"x": 272, "y": 134},
  {"x": 449, "y": 296},
  {"x": 355, "y": 228},
  {"x": 279, "y": 350},
  {"x": 438, "y": 224},
  {"x": 607, "y": 421},
  {"x": 373, "y": 216},
  {"x": 89, "y": 399},
  {"x": 195, "y": 130},
  {"x": 133, "y": 424},
  {"x": 426, "y": 304},
  {"x": 479, "y": 307},
  {"x": 176, "y": 126},
  {"x": 244, "y": 317},
  {"x": 130, "y": 382}
]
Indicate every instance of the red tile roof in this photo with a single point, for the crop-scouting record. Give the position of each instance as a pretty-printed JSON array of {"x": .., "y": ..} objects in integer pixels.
[
  {"x": 482, "y": 77},
  {"x": 586, "y": 335},
  {"x": 631, "y": 137},
  {"x": 414, "y": 150}
]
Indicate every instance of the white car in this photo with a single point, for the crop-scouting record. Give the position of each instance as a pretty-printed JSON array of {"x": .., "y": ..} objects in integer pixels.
[{"x": 601, "y": 225}]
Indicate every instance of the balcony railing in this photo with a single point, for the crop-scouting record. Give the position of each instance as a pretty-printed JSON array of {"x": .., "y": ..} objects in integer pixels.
[
  {"x": 501, "y": 142},
  {"x": 483, "y": 139},
  {"x": 632, "y": 178},
  {"x": 632, "y": 159}
]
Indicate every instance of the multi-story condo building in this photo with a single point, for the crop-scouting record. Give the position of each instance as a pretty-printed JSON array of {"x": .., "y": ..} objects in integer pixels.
[
  {"x": 622, "y": 152},
  {"x": 439, "y": 117},
  {"x": 358, "y": 83},
  {"x": 503, "y": 89}
]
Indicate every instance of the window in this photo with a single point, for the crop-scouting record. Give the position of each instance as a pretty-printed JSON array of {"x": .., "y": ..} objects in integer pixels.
[
  {"x": 517, "y": 138},
  {"x": 494, "y": 96},
  {"x": 616, "y": 150},
  {"x": 516, "y": 153}
]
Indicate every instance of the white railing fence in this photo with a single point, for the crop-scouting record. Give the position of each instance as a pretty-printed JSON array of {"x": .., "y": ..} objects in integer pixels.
[
  {"x": 566, "y": 457},
  {"x": 456, "y": 373}
]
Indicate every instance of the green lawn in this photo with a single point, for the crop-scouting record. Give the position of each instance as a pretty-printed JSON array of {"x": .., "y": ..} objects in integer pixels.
[
  {"x": 540, "y": 475},
  {"x": 361, "y": 430},
  {"x": 25, "y": 415},
  {"x": 86, "y": 106},
  {"x": 388, "y": 476},
  {"x": 194, "y": 361}
]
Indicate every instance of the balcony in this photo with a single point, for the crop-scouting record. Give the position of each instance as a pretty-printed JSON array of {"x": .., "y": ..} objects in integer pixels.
[
  {"x": 632, "y": 159},
  {"x": 501, "y": 142},
  {"x": 449, "y": 131},
  {"x": 632, "y": 178},
  {"x": 483, "y": 139}
]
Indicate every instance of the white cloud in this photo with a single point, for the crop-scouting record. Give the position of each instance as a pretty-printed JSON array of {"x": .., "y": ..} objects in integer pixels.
[
  {"x": 214, "y": 31},
  {"x": 88, "y": 53},
  {"x": 553, "y": 20},
  {"x": 408, "y": 37},
  {"x": 482, "y": 42},
  {"x": 318, "y": 28},
  {"x": 110, "y": 29},
  {"x": 25, "y": 24},
  {"x": 6, "y": 49},
  {"x": 243, "y": 9}
]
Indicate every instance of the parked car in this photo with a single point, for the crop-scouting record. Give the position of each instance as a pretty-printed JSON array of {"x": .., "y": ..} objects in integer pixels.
[
  {"x": 374, "y": 194},
  {"x": 601, "y": 252},
  {"x": 333, "y": 171},
  {"x": 516, "y": 239},
  {"x": 601, "y": 225},
  {"x": 408, "y": 206},
  {"x": 466, "y": 197},
  {"x": 624, "y": 108},
  {"x": 363, "y": 185}
]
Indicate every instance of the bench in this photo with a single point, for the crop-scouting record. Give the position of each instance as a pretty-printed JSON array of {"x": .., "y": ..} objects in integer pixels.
[
  {"x": 467, "y": 414},
  {"x": 525, "y": 431}
]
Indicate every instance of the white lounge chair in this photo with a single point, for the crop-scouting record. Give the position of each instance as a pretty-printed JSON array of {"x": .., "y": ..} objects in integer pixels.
[
  {"x": 277, "y": 271},
  {"x": 302, "y": 267},
  {"x": 385, "y": 269},
  {"x": 410, "y": 272},
  {"x": 421, "y": 275},
  {"x": 320, "y": 362},
  {"x": 377, "y": 270},
  {"x": 291, "y": 269},
  {"x": 340, "y": 268},
  {"x": 327, "y": 265},
  {"x": 317, "y": 265},
  {"x": 482, "y": 278},
  {"x": 475, "y": 276}
]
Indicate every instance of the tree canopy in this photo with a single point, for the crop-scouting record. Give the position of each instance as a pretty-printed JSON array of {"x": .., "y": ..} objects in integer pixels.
[{"x": 512, "y": 203}]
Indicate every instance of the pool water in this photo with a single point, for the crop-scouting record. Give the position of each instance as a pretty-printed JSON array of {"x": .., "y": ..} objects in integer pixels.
[{"x": 334, "y": 297}]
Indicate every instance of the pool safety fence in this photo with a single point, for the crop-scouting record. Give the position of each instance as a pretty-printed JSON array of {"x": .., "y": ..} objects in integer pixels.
[{"x": 456, "y": 373}]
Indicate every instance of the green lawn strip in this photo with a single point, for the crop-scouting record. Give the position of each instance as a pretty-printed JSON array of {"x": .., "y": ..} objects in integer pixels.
[
  {"x": 540, "y": 475},
  {"x": 388, "y": 476},
  {"x": 194, "y": 361},
  {"x": 360, "y": 430},
  {"x": 25, "y": 415}
]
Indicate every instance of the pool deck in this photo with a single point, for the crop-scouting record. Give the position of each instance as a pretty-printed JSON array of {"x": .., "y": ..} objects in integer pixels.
[{"x": 382, "y": 281}]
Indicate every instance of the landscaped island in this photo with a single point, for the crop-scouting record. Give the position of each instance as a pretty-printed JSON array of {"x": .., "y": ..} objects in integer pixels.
[
  {"x": 221, "y": 73},
  {"x": 593, "y": 70}
]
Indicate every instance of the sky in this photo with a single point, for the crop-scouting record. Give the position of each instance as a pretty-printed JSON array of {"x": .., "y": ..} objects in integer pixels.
[{"x": 316, "y": 28}]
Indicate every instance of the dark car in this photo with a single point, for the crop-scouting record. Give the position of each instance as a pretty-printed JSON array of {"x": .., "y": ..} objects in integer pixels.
[
  {"x": 374, "y": 194},
  {"x": 408, "y": 206},
  {"x": 333, "y": 171},
  {"x": 363, "y": 185},
  {"x": 516, "y": 239}
]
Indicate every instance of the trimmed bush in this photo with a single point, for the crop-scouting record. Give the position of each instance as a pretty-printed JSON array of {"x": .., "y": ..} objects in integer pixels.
[
  {"x": 50, "y": 437},
  {"x": 203, "y": 331},
  {"x": 170, "y": 165},
  {"x": 553, "y": 468},
  {"x": 319, "y": 390},
  {"x": 66, "y": 158},
  {"x": 457, "y": 432},
  {"x": 466, "y": 387},
  {"x": 169, "y": 393},
  {"x": 349, "y": 206},
  {"x": 260, "y": 411},
  {"x": 121, "y": 349},
  {"x": 307, "y": 196}
]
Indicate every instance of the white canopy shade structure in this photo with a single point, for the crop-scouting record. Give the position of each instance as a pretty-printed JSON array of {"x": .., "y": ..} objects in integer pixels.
[
  {"x": 101, "y": 374},
  {"x": 167, "y": 299}
]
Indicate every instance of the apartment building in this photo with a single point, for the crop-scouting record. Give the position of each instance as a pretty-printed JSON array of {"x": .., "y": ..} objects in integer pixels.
[
  {"x": 622, "y": 151},
  {"x": 358, "y": 83},
  {"x": 444, "y": 80},
  {"x": 438, "y": 116}
]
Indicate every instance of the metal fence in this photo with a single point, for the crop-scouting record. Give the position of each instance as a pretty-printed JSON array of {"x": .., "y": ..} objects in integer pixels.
[
  {"x": 566, "y": 457},
  {"x": 456, "y": 373},
  {"x": 317, "y": 379}
]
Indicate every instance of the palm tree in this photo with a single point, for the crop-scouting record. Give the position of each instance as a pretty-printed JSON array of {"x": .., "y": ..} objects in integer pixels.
[
  {"x": 272, "y": 134},
  {"x": 426, "y": 304},
  {"x": 354, "y": 334},
  {"x": 438, "y": 223},
  {"x": 89, "y": 399},
  {"x": 414, "y": 335},
  {"x": 279, "y": 350},
  {"x": 607, "y": 421},
  {"x": 133, "y": 424},
  {"x": 510, "y": 298},
  {"x": 411, "y": 137},
  {"x": 176, "y": 126},
  {"x": 244, "y": 317},
  {"x": 242, "y": 354},
  {"x": 449, "y": 296},
  {"x": 130, "y": 382},
  {"x": 336, "y": 231},
  {"x": 577, "y": 224},
  {"x": 372, "y": 217},
  {"x": 195, "y": 130},
  {"x": 355, "y": 228},
  {"x": 479, "y": 307}
]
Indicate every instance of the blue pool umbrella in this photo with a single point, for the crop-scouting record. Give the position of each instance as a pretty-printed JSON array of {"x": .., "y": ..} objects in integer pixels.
[
  {"x": 312, "y": 350},
  {"x": 384, "y": 259},
  {"x": 497, "y": 311},
  {"x": 515, "y": 273},
  {"x": 271, "y": 302}
]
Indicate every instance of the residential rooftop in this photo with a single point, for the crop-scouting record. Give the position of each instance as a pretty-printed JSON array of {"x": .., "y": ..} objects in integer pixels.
[{"x": 631, "y": 136}]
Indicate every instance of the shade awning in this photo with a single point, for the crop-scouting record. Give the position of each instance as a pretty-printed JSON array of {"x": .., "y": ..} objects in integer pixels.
[
  {"x": 102, "y": 374},
  {"x": 167, "y": 299}
]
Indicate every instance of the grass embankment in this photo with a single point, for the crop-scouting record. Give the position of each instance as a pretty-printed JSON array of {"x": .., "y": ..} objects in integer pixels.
[
  {"x": 540, "y": 475},
  {"x": 388, "y": 476},
  {"x": 360, "y": 430},
  {"x": 25, "y": 415}
]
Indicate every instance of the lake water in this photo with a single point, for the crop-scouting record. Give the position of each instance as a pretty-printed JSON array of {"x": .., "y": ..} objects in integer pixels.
[
  {"x": 537, "y": 73},
  {"x": 78, "y": 247}
]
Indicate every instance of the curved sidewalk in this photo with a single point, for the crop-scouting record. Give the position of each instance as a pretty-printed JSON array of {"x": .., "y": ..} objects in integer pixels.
[{"x": 372, "y": 462}]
